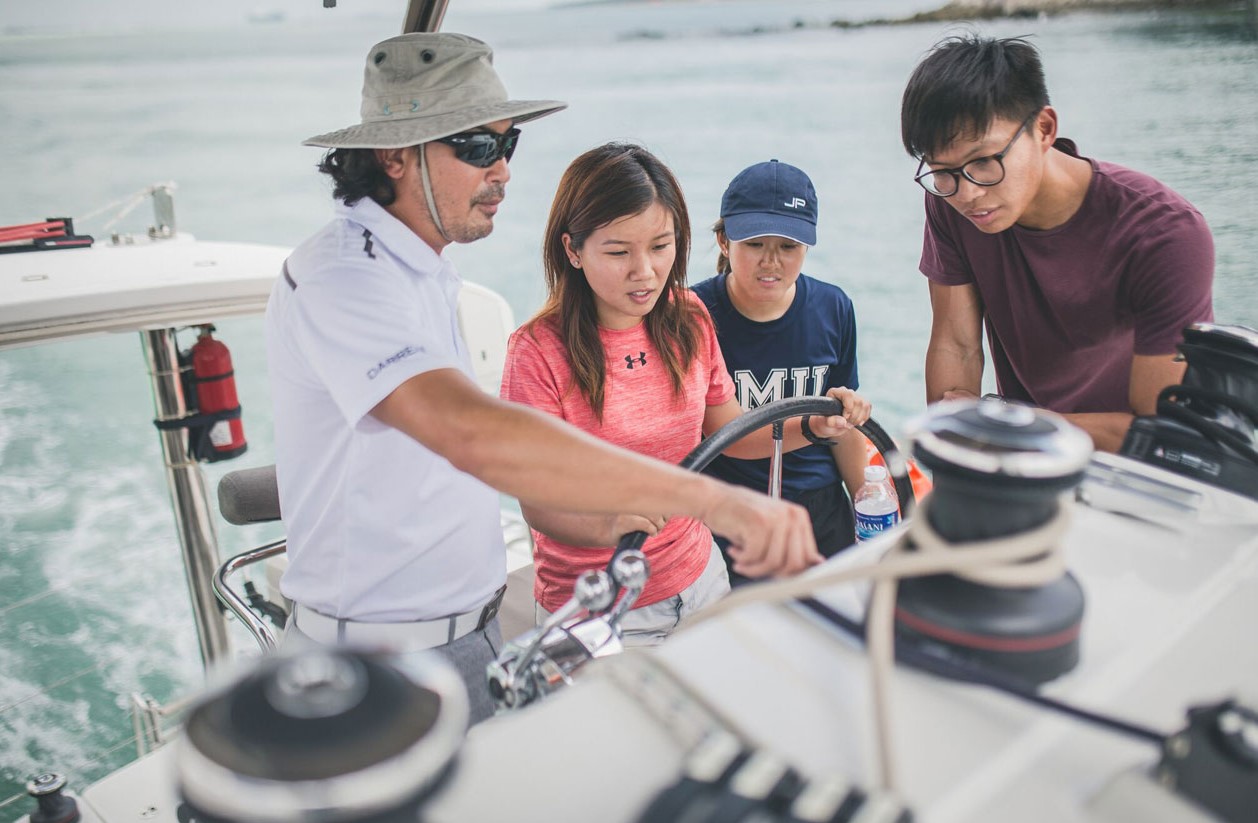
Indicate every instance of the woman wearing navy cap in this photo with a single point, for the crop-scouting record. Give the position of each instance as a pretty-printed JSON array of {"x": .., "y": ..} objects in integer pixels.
[
  {"x": 784, "y": 334},
  {"x": 624, "y": 351}
]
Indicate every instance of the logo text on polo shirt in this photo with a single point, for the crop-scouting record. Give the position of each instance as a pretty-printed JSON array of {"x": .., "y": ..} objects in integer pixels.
[{"x": 390, "y": 360}]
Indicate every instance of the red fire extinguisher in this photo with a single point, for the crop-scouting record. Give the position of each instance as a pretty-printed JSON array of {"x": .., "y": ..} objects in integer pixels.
[{"x": 216, "y": 394}]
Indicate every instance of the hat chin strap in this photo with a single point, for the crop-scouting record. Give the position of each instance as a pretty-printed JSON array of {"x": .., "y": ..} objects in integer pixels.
[{"x": 427, "y": 184}]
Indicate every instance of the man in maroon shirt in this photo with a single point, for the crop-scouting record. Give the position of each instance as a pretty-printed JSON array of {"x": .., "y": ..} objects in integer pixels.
[{"x": 1084, "y": 273}]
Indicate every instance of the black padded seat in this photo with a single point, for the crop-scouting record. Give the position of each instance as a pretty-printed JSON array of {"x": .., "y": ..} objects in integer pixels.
[{"x": 249, "y": 496}]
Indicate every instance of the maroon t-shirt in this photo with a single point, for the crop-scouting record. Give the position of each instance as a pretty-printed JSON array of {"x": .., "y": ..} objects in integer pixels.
[{"x": 1067, "y": 308}]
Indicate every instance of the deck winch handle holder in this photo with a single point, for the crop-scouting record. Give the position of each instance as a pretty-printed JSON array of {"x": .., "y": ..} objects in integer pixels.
[{"x": 588, "y": 626}]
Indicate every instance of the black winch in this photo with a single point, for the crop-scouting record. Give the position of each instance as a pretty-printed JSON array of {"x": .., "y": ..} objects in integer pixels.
[
  {"x": 1000, "y": 470},
  {"x": 325, "y": 734},
  {"x": 1207, "y": 427}
]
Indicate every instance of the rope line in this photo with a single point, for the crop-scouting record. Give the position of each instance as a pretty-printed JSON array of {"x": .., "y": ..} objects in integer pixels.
[
  {"x": 125, "y": 205},
  {"x": 966, "y": 671},
  {"x": 1039, "y": 561},
  {"x": 913, "y": 564},
  {"x": 1026, "y": 559}
]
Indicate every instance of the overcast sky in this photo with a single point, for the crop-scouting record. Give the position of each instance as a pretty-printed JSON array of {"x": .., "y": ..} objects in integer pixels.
[{"x": 90, "y": 15}]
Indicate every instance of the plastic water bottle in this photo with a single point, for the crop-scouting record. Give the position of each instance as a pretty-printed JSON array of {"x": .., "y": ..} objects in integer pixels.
[{"x": 876, "y": 504}]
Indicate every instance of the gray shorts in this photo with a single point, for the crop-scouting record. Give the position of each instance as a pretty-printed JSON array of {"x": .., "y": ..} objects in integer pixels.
[{"x": 470, "y": 655}]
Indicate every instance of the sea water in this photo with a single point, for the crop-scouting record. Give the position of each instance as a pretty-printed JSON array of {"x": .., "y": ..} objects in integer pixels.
[{"x": 92, "y": 601}]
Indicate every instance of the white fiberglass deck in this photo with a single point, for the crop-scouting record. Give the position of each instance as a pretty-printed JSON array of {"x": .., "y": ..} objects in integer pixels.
[
  {"x": 1170, "y": 571},
  {"x": 47, "y": 295}
]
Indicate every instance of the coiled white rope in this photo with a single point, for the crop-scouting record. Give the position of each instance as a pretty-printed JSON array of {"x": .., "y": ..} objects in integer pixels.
[
  {"x": 1035, "y": 561},
  {"x": 1031, "y": 558}
]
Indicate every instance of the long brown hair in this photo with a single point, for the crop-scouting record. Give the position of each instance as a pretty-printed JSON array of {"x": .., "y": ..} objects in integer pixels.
[{"x": 605, "y": 184}]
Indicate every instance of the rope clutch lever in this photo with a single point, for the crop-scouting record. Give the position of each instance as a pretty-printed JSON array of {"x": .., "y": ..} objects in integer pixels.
[
  {"x": 541, "y": 660},
  {"x": 626, "y": 574},
  {"x": 586, "y": 627},
  {"x": 593, "y": 593},
  {"x": 630, "y": 571}
]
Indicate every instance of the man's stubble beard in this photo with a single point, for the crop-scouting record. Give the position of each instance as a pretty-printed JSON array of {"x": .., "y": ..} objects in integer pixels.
[{"x": 469, "y": 230}]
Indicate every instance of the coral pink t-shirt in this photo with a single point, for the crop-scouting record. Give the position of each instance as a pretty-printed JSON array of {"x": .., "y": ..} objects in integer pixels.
[{"x": 640, "y": 413}]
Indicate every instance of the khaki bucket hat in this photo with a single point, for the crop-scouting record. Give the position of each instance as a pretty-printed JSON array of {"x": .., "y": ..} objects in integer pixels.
[{"x": 422, "y": 86}]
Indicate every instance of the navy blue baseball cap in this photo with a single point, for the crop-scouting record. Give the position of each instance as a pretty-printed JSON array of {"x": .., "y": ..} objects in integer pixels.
[{"x": 771, "y": 198}]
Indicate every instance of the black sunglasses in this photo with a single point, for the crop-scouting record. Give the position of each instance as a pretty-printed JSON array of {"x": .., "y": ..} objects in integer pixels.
[{"x": 482, "y": 148}]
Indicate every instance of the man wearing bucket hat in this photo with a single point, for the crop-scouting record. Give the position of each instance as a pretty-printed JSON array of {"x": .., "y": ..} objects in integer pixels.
[
  {"x": 784, "y": 334},
  {"x": 389, "y": 458}
]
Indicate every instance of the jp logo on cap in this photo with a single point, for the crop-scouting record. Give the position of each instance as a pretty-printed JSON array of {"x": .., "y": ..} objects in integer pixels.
[{"x": 771, "y": 199}]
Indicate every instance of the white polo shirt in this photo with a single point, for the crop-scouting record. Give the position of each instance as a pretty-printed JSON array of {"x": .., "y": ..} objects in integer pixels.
[{"x": 379, "y": 527}]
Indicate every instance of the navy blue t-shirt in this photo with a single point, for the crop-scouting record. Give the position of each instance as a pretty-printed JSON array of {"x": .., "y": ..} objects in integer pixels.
[{"x": 804, "y": 352}]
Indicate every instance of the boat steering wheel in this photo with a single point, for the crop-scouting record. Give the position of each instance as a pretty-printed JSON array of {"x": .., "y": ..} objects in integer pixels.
[
  {"x": 778, "y": 412},
  {"x": 543, "y": 660}
]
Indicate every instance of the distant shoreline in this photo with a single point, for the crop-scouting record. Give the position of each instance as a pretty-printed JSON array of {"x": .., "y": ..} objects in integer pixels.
[{"x": 959, "y": 10}]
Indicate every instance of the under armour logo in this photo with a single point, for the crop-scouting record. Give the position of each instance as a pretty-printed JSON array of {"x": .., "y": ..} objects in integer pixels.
[
  {"x": 367, "y": 244},
  {"x": 629, "y": 359},
  {"x": 795, "y": 203}
]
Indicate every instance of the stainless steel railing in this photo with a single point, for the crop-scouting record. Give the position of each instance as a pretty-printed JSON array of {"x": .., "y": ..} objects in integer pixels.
[{"x": 237, "y": 604}]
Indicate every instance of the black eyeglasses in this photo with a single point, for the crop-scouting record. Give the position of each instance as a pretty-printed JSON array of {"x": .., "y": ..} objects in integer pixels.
[
  {"x": 981, "y": 171},
  {"x": 482, "y": 148}
]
